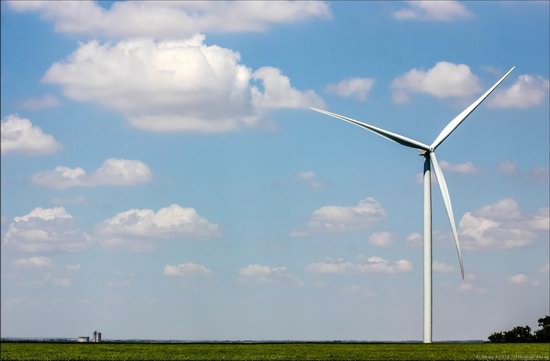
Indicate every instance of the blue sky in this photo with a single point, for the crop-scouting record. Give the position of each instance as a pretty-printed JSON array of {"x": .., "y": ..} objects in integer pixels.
[{"x": 163, "y": 176}]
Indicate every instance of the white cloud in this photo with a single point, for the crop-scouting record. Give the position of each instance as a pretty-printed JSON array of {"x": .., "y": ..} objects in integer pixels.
[
  {"x": 120, "y": 279},
  {"x": 73, "y": 267},
  {"x": 309, "y": 178},
  {"x": 48, "y": 274},
  {"x": 448, "y": 10},
  {"x": 508, "y": 167},
  {"x": 381, "y": 239},
  {"x": 470, "y": 287},
  {"x": 540, "y": 174},
  {"x": 444, "y": 80},
  {"x": 358, "y": 88},
  {"x": 415, "y": 240},
  {"x": 537, "y": 174},
  {"x": 33, "y": 262},
  {"x": 182, "y": 85},
  {"x": 279, "y": 93},
  {"x": 519, "y": 279},
  {"x": 469, "y": 284},
  {"x": 545, "y": 268},
  {"x": 501, "y": 225},
  {"x": 461, "y": 168},
  {"x": 113, "y": 172},
  {"x": 42, "y": 102},
  {"x": 466, "y": 168},
  {"x": 442, "y": 267},
  {"x": 470, "y": 277},
  {"x": 540, "y": 221},
  {"x": 363, "y": 265},
  {"x": 170, "y": 19},
  {"x": 19, "y": 135},
  {"x": 526, "y": 92},
  {"x": 63, "y": 282},
  {"x": 46, "y": 230},
  {"x": 360, "y": 290},
  {"x": 261, "y": 274},
  {"x": 185, "y": 270},
  {"x": 337, "y": 219},
  {"x": 137, "y": 229}
]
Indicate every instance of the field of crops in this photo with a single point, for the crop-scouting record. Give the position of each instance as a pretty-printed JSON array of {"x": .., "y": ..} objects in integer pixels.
[{"x": 284, "y": 351}]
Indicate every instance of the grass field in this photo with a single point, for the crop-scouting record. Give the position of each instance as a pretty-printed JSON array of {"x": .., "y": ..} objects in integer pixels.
[{"x": 286, "y": 351}]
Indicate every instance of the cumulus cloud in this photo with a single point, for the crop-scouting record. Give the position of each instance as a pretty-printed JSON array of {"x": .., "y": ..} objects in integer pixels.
[
  {"x": 470, "y": 287},
  {"x": 41, "y": 102},
  {"x": 444, "y": 80},
  {"x": 169, "y": 19},
  {"x": 415, "y": 240},
  {"x": 363, "y": 265},
  {"x": 43, "y": 273},
  {"x": 545, "y": 268},
  {"x": 138, "y": 229},
  {"x": 260, "y": 274},
  {"x": 540, "y": 174},
  {"x": 63, "y": 282},
  {"x": 33, "y": 262},
  {"x": 501, "y": 225},
  {"x": 279, "y": 93},
  {"x": 540, "y": 221},
  {"x": 381, "y": 239},
  {"x": 337, "y": 219},
  {"x": 537, "y": 174},
  {"x": 113, "y": 172},
  {"x": 460, "y": 168},
  {"x": 442, "y": 267},
  {"x": 120, "y": 279},
  {"x": 309, "y": 178},
  {"x": 19, "y": 135},
  {"x": 526, "y": 92},
  {"x": 445, "y": 11},
  {"x": 185, "y": 270},
  {"x": 357, "y": 88},
  {"x": 360, "y": 291},
  {"x": 508, "y": 167},
  {"x": 466, "y": 168},
  {"x": 470, "y": 277},
  {"x": 46, "y": 230},
  {"x": 181, "y": 85},
  {"x": 519, "y": 279},
  {"x": 73, "y": 267}
]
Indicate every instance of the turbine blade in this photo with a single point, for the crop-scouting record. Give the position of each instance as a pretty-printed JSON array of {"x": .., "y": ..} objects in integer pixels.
[
  {"x": 448, "y": 206},
  {"x": 460, "y": 118},
  {"x": 383, "y": 133}
]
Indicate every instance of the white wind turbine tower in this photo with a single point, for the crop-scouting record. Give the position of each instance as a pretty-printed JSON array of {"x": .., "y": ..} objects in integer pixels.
[{"x": 428, "y": 152}]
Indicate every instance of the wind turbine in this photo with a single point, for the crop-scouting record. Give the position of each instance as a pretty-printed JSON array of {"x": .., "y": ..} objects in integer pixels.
[{"x": 428, "y": 152}]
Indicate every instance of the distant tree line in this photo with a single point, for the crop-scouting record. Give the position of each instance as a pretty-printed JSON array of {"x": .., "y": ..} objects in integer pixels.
[{"x": 524, "y": 334}]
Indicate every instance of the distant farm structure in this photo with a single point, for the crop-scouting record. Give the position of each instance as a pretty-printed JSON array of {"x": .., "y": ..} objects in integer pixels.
[{"x": 96, "y": 337}]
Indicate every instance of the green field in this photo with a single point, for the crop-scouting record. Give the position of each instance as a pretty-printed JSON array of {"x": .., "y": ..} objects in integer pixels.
[{"x": 285, "y": 351}]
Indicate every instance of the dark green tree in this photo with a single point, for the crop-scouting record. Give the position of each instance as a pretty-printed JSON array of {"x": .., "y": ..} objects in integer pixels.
[
  {"x": 523, "y": 333},
  {"x": 496, "y": 337},
  {"x": 518, "y": 334},
  {"x": 543, "y": 333}
]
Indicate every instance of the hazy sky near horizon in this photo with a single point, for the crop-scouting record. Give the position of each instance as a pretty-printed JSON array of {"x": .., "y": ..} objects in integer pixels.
[{"x": 162, "y": 175}]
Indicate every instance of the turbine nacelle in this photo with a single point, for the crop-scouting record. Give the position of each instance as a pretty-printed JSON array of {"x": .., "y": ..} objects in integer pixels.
[{"x": 428, "y": 151}]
